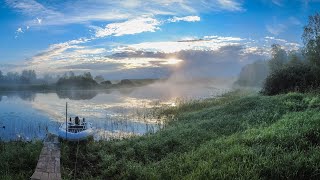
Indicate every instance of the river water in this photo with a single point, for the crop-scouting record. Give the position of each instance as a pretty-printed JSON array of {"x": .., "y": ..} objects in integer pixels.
[{"x": 26, "y": 115}]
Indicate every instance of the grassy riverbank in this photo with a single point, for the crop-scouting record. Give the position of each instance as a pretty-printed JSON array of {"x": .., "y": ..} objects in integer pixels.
[
  {"x": 18, "y": 159},
  {"x": 246, "y": 136}
]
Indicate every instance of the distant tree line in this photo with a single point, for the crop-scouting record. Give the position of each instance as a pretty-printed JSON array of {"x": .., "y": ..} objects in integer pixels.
[
  {"x": 84, "y": 80},
  {"x": 26, "y": 77},
  {"x": 288, "y": 70},
  {"x": 69, "y": 80}
]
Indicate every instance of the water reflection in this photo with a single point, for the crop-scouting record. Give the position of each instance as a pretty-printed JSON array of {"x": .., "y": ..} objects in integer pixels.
[
  {"x": 24, "y": 95},
  {"x": 114, "y": 113},
  {"x": 21, "y": 121},
  {"x": 77, "y": 95}
]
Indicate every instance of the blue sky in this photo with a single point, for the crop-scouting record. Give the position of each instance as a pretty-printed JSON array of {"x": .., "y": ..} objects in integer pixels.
[{"x": 81, "y": 35}]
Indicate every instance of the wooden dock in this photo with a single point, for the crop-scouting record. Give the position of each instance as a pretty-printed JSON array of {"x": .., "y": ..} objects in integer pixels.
[{"x": 48, "y": 167}]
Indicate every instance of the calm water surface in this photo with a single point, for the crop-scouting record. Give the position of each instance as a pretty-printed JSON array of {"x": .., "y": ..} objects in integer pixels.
[{"x": 114, "y": 113}]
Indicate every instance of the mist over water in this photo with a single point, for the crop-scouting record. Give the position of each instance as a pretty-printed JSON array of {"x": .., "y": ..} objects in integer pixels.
[{"x": 114, "y": 113}]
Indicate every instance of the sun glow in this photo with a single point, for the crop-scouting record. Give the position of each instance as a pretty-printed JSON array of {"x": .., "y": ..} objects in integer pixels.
[
  {"x": 172, "y": 61},
  {"x": 131, "y": 63}
]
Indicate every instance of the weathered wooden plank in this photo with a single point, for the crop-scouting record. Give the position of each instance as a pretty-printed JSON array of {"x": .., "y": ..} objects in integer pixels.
[
  {"x": 53, "y": 176},
  {"x": 56, "y": 153},
  {"x": 41, "y": 166},
  {"x": 48, "y": 166},
  {"x": 36, "y": 175},
  {"x": 44, "y": 176},
  {"x": 57, "y": 168},
  {"x": 58, "y": 176}
]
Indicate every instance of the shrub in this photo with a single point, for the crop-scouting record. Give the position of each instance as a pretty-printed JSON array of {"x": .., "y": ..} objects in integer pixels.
[{"x": 298, "y": 78}]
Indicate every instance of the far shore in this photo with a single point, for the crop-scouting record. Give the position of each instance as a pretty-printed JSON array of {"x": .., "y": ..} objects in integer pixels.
[{"x": 55, "y": 87}]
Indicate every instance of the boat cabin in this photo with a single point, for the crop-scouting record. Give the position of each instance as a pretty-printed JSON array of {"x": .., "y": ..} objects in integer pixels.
[{"x": 77, "y": 125}]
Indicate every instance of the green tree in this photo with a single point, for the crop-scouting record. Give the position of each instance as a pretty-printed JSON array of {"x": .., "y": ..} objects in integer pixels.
[
  {"x": 279, "y": 57},
  {"x": 295, "y": 58},
  {"x": 65, "y": 75},
  {"x": 99, "y": 79},
  {"x": 71, "y": 74},
  {"x": 311, "y": 40},
  {"x": 290, "y": 78},
  {"x": 13, "y": 76},
  {"x": 28, "y": 75},
  {"x": 87, "y": 75}
]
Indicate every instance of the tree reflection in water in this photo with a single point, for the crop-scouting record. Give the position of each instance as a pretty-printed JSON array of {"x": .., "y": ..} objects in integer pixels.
[
  {"x": 77, "y": 94},
  {"x": 24, "y": 95}
]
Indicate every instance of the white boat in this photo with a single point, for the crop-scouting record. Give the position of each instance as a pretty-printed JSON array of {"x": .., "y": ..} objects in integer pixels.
[{"x": 75, "y": 132}]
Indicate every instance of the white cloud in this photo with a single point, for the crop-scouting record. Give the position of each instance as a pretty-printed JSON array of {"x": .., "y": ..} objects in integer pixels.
[
  {"x": 19, "y": 30},
  {"x": 277, "y": 2},
  {"x": 276, "y": 39},
  {"x": 276, "y": 29},
  {"x": 87, "y": 51},
  {"x": 189, "y": 38},
  {"x": 292, "y": 46},
  {"x": 206, "y": 56},
  {"x": 137, "y": 25},
  {"x": 294, "y": 21},
  {"x": 221, "y": 38},
  {"x": 186, "y": 18},
  {"x": 39, "y": 20},
  {"x": 75, "y": 55},
  {"x": 31, "y": 8},
  {"x": 133, "y": 26},
  {"x": 207, "y": 43},
  {"x": 304, "y": 3},
  {"x": 70, "y": 12},
  {"x": 289, "y": 46},
  {"x": 56, "y": 50},
  {"x": 230, "y": 5}
]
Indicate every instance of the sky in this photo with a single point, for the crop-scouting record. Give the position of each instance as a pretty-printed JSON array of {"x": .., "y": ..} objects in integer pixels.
[{"x": 147, "y": 38}]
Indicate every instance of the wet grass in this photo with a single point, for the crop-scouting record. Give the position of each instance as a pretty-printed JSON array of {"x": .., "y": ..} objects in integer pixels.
[
  {"x": 18, "y": 159},
  {"x": 236, "y": 136}
]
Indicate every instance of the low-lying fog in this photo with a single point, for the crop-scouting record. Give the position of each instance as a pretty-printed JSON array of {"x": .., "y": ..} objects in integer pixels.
[{"x": 114, "y": 113}]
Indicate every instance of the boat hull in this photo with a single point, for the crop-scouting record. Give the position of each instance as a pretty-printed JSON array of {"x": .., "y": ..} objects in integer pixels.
[{"x": 71, "y": 136}]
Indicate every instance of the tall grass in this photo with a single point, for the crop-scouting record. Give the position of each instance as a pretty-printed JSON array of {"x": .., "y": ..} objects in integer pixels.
[
  {"x": 243, "y": 136},
  {"x": 18, "y": 159}
]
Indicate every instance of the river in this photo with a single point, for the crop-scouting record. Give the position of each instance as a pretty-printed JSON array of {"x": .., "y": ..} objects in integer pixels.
[{"x": 117, "y": 113}]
